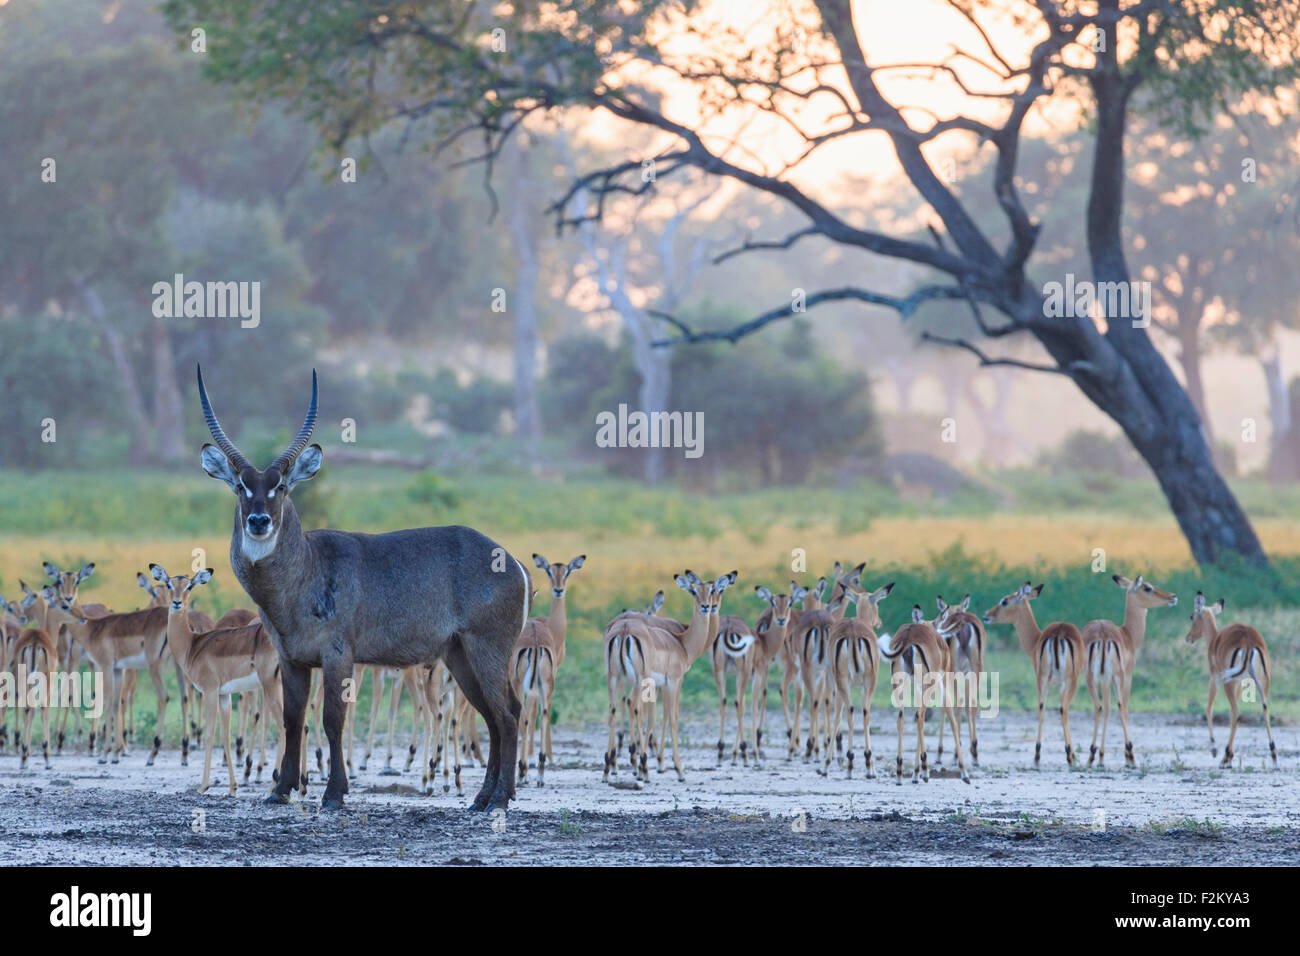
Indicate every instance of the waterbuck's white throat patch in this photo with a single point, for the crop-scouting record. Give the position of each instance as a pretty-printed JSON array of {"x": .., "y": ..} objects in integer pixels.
[{"x": 256, "y": 550}]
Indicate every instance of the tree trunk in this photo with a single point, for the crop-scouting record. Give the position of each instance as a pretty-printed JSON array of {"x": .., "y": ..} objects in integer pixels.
[
  {"x": 656, "y": 383},
  {"x": 139, "y": 429},
  {"x": 1146, "y": 399},
  {"x": 1283, "y": 462},
  {"x": 528, "y": 425},
  {"x": 168, "y": 414}
]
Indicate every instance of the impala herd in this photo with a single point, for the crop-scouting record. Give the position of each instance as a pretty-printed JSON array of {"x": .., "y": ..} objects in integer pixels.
[{"x": 444, "y": 615}]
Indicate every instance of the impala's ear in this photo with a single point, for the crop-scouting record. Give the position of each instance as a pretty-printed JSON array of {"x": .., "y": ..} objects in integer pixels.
[
  {"x": 1217, "y": 607},
  {"x": 797, "y": 593},
  {"x": 305, "y": 465},
  {"x": 1034, "y": 592},
  {"x": 1137, "y": 582},
  {"x": 764, "y": 593},
  {"x": 965, "y": 603},
  {"x": 1198, "y": 605},
  {"x": 141, "y": 580},
  {"x": 50, "y": 569},
  {"x": 85, "y": 572},
  {"x": 724, "y": 582},
  {"x": 880, "y": 595},
  {"x": 541, "y": 562},
  {"x": 918, "y": 616},
  {"x": 684, "y": 583},
  {"x": 657, "y": 603},
  {"x": 939, "y": 601},
  {"x": 577, "y": 562},
  {"x": 203, "y": 577},
  {"x": 821, "y": 587},
  {"x": 217, "y": 465},
  {"x": 157, "y": 573},
  {"x": 49, "y": 594},
  {"x": 838, "y": 569},
  {"x": 1121, "y": 580}
]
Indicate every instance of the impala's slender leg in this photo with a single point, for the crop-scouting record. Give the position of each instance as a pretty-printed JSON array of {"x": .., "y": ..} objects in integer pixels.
[
  {"x": 791, "y": 731},
  {"x": 160, "y": 691},
  {"x": 211, "y": 703},
  {"x": 1042, "y": 695},
  {"x": 611, "y": 749},
  {"x": 742, "y": 676},
  {"x": 411, "y": 679},
  {"x": 1232, "y": 691},
  {"x": 758, "y": 690},
  {"x": 1122, "y": 696},
  {"x": 719, "y": 681},
  {"x": 1067, "y": 695},
  {"x": 1106, "y": 682},
  {"x": 672, "y": 698},
  {"x": 1209, "y": 712},
  {"x": 184, "y": 690},
  {"x": 544, "y": 716},
  {"x": 376, "y": 695},
  {"x": 394, "y": 702},
  {"x": 645, "y": 710},
  {"x": 921, "y": 765},
  {"x": 956, "y": 740},
  {"x": 296, "y": 681},
  {"x": 225, "y": 732},
  {"x": 1090, "y": 681},
  {"x": 868, "y": 688}
]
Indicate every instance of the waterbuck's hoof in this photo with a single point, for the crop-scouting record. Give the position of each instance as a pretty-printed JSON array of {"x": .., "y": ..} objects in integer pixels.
[
  {"x": 331, "y": 803},
  {"x": 276, "y": 799}
]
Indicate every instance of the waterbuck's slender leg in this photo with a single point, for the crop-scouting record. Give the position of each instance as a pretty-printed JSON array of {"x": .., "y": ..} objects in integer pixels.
[
  {"x": 334, "y": 670},
  {"x": 486, "y": 684},
  {"x": 296, "y": 681}
]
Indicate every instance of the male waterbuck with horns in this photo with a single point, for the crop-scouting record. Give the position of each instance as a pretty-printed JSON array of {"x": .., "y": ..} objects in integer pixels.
[{"x": 332, "y": 599}]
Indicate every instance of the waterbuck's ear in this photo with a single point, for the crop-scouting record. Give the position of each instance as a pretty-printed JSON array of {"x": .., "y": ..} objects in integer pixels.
[
  {"x": 541, "y": 562},
  {"x": 217, "y": 465},
  {"x": 203, "y": 577},
  {"x": 965, "y": 603},
  {"x": 50, "y": 569},
  {"x": 85, "y": 572},
  {"x": 305, "y": 465},
  {"x": 577, "y": 562},
  {"x": 158, "y": 574}
]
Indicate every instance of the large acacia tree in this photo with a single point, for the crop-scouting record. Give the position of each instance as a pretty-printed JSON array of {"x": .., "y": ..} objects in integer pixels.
[{"x": 356, "y": 65}]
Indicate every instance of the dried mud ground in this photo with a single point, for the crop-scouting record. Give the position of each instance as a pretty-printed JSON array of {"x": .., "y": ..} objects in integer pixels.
[{"x": 1176, "y": 808}]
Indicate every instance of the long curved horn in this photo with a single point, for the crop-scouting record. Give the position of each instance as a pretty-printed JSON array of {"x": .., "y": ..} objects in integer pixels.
[
  {"x": 218, "y": 433},
  {"x": 304, "y": 434}
]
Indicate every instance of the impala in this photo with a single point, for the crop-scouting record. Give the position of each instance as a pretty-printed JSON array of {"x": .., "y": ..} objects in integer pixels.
[
  {"x": 538, "y": 655},
  {"x": 1112, "y": 655},
  {"x": 34, "y": 657},
  {"x": 11, "y": 617},
  {"x": 917, "y": 651},
  {"x": 1056, "y": 653},
  {"x": 654, "y": 657},
  {"x": 620, "y": 678},
  {"x": 219, "y": 662},
  {"x": 855, "y": 659},
  {"x": 1235, "y": 652},
  {"x": 770, "y": 633},
  {"x": 964, "y": 634},
  {"x": 792, "y": 661},
  {"x": 732, "y": 652},
  {"x": 811, "y": 642},
  {"x": 333, "y": 599},
  {"x": 67, "y": 584}
]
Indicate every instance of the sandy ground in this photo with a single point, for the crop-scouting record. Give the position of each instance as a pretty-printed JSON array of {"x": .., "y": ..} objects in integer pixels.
[{"x": 1176, "y": 808}]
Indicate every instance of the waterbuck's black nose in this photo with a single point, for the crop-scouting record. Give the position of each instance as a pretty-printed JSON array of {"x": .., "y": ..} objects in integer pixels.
[{"x": 259, "y": 523}]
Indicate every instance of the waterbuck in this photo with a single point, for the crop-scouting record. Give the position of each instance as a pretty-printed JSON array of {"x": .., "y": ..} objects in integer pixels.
[{"x": 334, "y": 599}]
